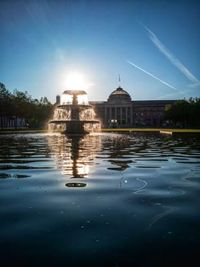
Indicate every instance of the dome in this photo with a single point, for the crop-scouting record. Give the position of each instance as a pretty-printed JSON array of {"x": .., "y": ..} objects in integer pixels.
[{"x": 119, "y": 95}]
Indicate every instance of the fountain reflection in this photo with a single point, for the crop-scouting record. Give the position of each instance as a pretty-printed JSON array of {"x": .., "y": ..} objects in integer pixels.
[{"x": 74, "y": 156}]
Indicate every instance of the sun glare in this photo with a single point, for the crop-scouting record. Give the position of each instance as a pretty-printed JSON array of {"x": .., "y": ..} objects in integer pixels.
[
  {"x": 76, "y": 81},
  {"x": 68, "y": 99},
  {"x": 82, "y": 99}
]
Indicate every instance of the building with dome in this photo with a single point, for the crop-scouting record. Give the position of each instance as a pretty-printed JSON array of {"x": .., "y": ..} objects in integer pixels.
[{"x": 122, "y": 112}]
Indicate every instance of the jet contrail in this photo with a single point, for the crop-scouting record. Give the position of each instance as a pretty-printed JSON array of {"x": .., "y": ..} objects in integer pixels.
[
  {"x": 173, "y": 59},
  {"x": 153, "y": 76}
]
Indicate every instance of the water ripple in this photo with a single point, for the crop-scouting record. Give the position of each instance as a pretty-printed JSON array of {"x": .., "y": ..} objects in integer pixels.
[
  {"x": 142, "y": 187},
  {"x": 159, "y": 216},
  {"x": 122, "y": 194}
]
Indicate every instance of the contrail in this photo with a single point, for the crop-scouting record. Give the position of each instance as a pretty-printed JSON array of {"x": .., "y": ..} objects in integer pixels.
[
  {"x": 173, "y": 59},
  {"x": 153, "y": 76}
]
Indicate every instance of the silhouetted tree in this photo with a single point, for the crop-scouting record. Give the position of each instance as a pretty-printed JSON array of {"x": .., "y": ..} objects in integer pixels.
[
  {"x": 21, "y": 105},
  {"x": 184, "y": 113}
]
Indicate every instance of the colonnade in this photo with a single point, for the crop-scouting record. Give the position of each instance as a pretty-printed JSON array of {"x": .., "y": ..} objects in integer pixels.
[{"x": 121, "y": 115}]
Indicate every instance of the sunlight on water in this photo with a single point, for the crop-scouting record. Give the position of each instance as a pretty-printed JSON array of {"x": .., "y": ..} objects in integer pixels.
[{"x": 99, "y": 200}]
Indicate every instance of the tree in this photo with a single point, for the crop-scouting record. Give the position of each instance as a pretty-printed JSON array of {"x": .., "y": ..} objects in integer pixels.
[
  {"x": 21, "y": 105},
  {"x": 5, "y": 103},
  {"x": 184, "y": 113}
]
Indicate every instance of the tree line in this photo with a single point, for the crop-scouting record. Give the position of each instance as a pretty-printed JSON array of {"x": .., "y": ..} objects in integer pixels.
[
  {"x": 36, "y": 113},
  {"x": 18, "y": 104},
  {"x": 184, "y": 113}
]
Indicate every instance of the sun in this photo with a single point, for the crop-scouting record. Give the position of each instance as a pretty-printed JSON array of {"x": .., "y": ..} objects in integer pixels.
[{"x": 76, "y": 81}]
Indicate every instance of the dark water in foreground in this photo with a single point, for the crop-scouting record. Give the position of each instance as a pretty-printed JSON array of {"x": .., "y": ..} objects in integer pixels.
[{"x": 105, "y": 200}]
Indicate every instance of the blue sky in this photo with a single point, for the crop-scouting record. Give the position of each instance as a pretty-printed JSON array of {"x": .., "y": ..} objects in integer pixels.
[{"x": 153, "y": 45}]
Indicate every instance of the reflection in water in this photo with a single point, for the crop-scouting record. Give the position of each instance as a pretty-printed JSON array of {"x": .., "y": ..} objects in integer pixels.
[
  {"x": 21, "y": 155},
  {"x": 6, "y": 175},
  {"x": 74, "y": 155},
  {"x": 118, "y": 150},
  {"x": 76, "y": 184},
  {"x": 141, "y": 198}
]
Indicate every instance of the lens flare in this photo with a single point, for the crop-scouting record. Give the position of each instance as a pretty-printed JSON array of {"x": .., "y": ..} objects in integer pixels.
[{"x": 76, "y": 81}]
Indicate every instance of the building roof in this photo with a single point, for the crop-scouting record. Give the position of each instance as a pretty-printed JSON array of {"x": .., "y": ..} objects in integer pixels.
[
  {"x": 119, "y": 94},
  {"x": 153, "y": 102}
]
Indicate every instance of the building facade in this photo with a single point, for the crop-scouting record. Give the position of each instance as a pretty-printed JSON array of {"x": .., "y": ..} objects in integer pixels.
[{"x": 121, "y": 111}]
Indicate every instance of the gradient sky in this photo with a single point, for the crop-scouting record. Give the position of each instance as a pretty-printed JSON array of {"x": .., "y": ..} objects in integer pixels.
[{"x": 153, "y": 45}]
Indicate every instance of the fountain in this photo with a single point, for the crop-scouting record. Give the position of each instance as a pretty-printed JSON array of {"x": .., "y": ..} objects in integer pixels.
[{"x": 74, "y": 115}]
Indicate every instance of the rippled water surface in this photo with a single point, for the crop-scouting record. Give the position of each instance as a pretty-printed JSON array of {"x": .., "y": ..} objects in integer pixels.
[{"x": 102, "y": 200}]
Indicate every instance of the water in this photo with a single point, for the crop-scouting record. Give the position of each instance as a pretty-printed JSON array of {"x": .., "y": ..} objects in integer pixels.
[{"x": 102, "y": 200}]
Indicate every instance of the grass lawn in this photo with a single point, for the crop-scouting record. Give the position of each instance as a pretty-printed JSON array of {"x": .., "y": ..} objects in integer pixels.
[
  {"x": 12, "y": 131},
  {"x": 150, "y": 130},
  {"x": 111, "y": 130}
]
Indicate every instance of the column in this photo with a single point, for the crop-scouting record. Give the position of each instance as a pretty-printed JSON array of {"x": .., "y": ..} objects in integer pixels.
[
  {"x": 126, "y": 116},
  {"x": 131, "y": 114},
  {"x": 121, "y": 117},
  {"x": 106, "y": 120}
]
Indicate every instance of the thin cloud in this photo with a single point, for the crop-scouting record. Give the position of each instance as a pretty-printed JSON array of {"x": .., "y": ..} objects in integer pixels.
[
  {"x": 173, "y": 59},
  {"x": 153, "y": 76},
  {"x": 194, "y": 85},
  {"x": 173, "y": 94}
]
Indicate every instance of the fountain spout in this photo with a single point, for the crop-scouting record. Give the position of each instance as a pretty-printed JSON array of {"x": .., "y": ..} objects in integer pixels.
[{"x": 75, "y": 100}]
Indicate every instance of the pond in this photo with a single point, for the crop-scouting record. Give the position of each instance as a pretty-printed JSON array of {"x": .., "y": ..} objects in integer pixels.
[{"x": 99, "y": 200}]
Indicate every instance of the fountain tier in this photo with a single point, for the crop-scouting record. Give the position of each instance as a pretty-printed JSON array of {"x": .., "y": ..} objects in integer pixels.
[{"x": 74, "y": 115}]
